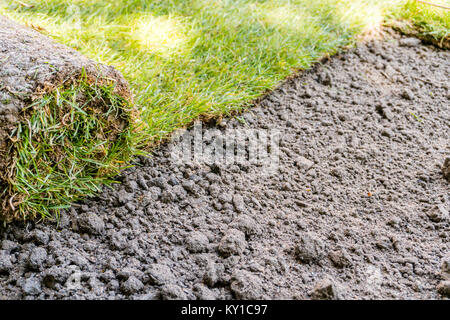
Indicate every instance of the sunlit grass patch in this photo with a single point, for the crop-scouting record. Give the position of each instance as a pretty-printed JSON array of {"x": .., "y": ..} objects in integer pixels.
[
  {"x": 431, "y": 23},
  {"x": 162, "y": 35}
]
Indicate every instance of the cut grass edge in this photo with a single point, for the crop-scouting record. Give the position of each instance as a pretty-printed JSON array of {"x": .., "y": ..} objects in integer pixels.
[
  {"x": 73, "y": 141},
  {"x": 429, "y": 23}
]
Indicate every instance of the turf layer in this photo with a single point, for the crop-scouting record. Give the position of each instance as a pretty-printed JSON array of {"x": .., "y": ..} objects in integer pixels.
[{"x": 72, "y": 140}]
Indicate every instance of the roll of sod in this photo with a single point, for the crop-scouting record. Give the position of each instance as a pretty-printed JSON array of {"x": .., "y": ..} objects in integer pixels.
[{"x": 65, "y": 124}]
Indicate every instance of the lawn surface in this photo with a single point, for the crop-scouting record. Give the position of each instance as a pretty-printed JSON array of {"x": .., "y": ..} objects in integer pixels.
[{"x": 188, "y": 58}]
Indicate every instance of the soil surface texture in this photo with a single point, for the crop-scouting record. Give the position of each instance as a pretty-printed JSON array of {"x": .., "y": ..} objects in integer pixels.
[{"x": 357, "y": 207}]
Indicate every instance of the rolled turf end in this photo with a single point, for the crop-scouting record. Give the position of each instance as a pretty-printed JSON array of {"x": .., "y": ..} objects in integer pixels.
[{"x": 66, "y": 124}]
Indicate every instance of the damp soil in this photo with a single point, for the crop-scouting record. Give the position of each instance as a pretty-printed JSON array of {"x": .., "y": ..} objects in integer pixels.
[{"x": 356, "y": 208}]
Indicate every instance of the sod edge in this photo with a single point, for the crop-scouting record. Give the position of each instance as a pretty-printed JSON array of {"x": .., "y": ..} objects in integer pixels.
[
  {"x": 69, "y": 142},
  {"x": 65, "y": 123}
]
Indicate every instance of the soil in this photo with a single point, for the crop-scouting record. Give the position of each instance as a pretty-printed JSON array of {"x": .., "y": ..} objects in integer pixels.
[{"x": 357, "y": 207}]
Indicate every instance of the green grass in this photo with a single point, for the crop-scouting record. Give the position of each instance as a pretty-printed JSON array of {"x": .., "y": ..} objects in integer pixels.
[
  {"x": 186, "y": 58},
  {"x": 72, "y": 142},
  {"x": 422, "y": 20}
]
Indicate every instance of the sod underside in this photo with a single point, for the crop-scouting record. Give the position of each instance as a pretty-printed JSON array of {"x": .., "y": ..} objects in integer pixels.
[{"x": 65, "y": 123}]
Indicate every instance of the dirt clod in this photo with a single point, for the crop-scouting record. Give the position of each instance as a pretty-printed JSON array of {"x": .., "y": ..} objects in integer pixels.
[
  {"x": 309, "y": 249},
  {"x": 197, "y": 242},
  {"x": 91, "y": 223},
  {"x": 32, "y": 286},
  {"x": 444, "y": 288},
  {"x": 131, "y": 286},
  {"x": 410, "y": 42},
  {"x": 325, "y": 289},
  {"x": 446, "y": 169},
  {"x": 245, "y": 285},
  {"x": 232, "y": 243}
]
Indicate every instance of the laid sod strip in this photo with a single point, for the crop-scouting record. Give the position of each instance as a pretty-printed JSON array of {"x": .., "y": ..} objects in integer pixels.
[
  {"x": 423, "y": 20},
  {"x": 185, "y": 58},
  {"x": 66, "y": 124}
]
